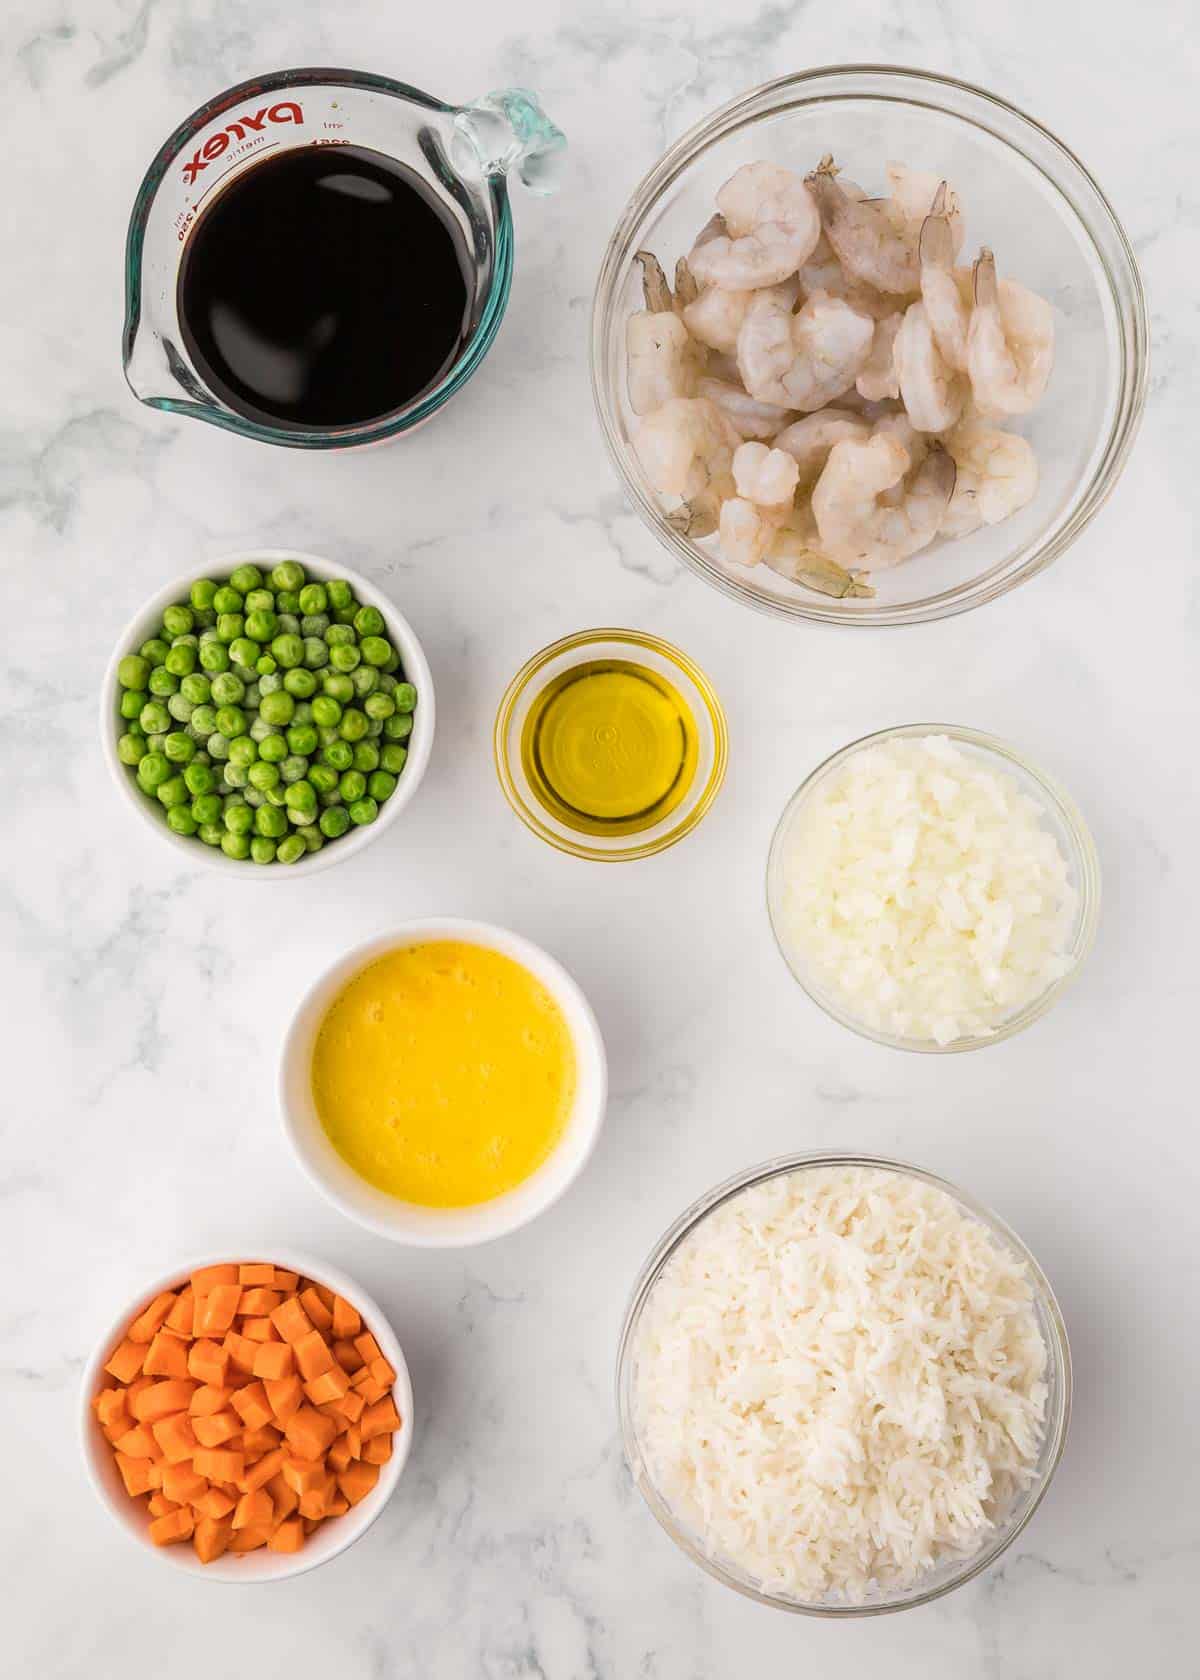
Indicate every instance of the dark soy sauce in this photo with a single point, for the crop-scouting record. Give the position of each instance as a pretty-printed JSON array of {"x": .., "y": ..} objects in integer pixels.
[{"x": 324, "y": 287}]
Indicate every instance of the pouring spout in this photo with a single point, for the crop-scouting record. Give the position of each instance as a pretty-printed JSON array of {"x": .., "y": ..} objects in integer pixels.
[{"x": 509, "y": 127}]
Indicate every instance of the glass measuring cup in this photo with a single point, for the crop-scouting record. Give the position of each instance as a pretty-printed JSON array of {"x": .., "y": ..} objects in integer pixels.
[{"x": 462, "y": 153}]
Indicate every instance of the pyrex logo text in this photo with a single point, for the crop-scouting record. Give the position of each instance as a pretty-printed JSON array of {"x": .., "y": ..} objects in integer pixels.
[{"x": 285, "y": 112}]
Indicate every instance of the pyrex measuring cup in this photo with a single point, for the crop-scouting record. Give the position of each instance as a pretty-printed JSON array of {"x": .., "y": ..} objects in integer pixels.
[{"x": 462, "y": 153}]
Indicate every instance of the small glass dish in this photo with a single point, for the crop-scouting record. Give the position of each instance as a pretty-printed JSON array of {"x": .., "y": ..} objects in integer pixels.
[
  {"x": 952, "y": 1572},
  {"x": 1023, "y": 192},
  {"x": 638, "y": 648},
  {"x": 1059, "y": 812}
]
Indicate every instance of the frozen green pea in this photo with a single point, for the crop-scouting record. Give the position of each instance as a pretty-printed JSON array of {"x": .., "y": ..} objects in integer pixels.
[
  {"x": 405, "y": 696},
  {"x": 211, "y": 833},
  {"x": 154, "y": 650},
  {"x": 300, "y": 682},
  {"x": 325, "y": 733},
  {"x": 235, "y": 775},
  {"x": 204, "y": 617},
  {"x": 270, "y": 683},
  {"x": 276, "y": 707},
  {"x": 376, "y": 650},
  {"x": 202, "y": 594},
  {"x": 258, "y": 600},
  {"x": 374, "y": 728},
  {"x": 154, "y": 718},
  {"x": 338, "y": 686},
  {"x": 177, "y": 621},
  {"x": 363, "y": 811},
  {"x": 162, "y": 682},
  {"x": 288, "y": 650},
  {"x": 253, "y": 797},
  {"x": 398, "y": 727},
  {"x": 199, "y": 778},
  {"x": 173, "y": 791},
  {"x": 287, "y": 600},
  {"x": 291, "y": 850},
  {"x": 260, "y": 729},
  {"x": 272, "y": 749},
  {"x": 270, "y": 821},
  {"x": 365, "y": 679},
  {"x": 339, "y": 755},
  {"x": 179, "y": 747},
  {"x": 136, "y": 729},
  {"x": 323, "y": 777},
  {"x": 302, "y": 739},
  {"x": 209, "y": 633},
  {"x": 313, "y": 838},
  {"x": 301, "y": 796},
  {"x": 244, "y": 652},
  {"x": 262, "y": 850},
  {"x": 366, "y": 756},
  {"x": 214, "y": 657},
  {"x": 206, "y": 807},
  {"x": 236, "y": 845},
  {"x": 334, "y": 821},
  {"x": 392, "y": 758},
  {"x": 132, "y": 749},
  {"x": 181, "y": 660},
  {"x": 316, "y": 654},
  {"x": 186, "y": 640},
  {"x": 353, "y": 725},
  {"x": 339, "y": 592},
  {"x": 379, "y": 705},
  {"x": 314, "y": 624},
  {"x": 333, "y": 797},
  {"x": 387, "y": 682},
  {"x": 293, "y": 768},
  {"x": 288, "y": 574},
  {"x": 381, "y": 785},
  {"x": 326, "y": 710},
  {"x": 345, "y": 615},
  {"x": 352, "y": 786},
  {"x": 392, "y": 662},
  {"x": 131, "y": 703},
  {"x": 265, "y": 665},
  {"x": 302, "y": 713},
  {"x": 368, "y": 621},
  {"x": 197, "y": 688},
  {"x": 239, "y": 819},
  {"x": 153, "y": 770},
  {"x": 245, "y": 577},
  {"x": 263, "y": 774},
  {"x": 253, "y": 696},
  {"x": 156, "y": 741},
  {"x": 275, "y": 795},
  {"x": 289, "y": 624},
  {"x": 218, "y": 745},
  {"x": 133, "y": 671},
  {"x": 340, "y": 635},
  {"x": 242, "y": 752},
  {"x": 179, "y": 708},
  {"x": 180, "y": 820},
  {"x": 230, "y": 626},
  {"x": 313, "y": 598},
  {"x": 262, "y": 625},
  {"x": 204, "y": 720},
  {"x": 231, "y": 721}
]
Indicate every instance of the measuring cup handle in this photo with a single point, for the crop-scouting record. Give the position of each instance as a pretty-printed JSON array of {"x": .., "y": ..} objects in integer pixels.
[{"x": 509, "y": 127}]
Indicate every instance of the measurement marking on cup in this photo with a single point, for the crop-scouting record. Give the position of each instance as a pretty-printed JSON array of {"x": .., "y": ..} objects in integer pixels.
[{"x": 258, "y": 150}]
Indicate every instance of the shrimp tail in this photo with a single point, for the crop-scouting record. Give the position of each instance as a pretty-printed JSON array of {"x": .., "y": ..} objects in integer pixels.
[
  {"x": 697, "y": 518},
  {"x": 938, "y": 472},
  {"x": 936, "y": 246},
  {"x": 687, "y": 289},
  {"x": 654, "y": 284},
  {"x": 987, "y": 292}
]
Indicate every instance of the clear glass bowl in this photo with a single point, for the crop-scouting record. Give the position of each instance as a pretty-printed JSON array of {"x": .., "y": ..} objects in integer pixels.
[
  {"x": 639, "y": 648},
  {"x": 1060, "y": 814},
  {"x": 953, "y": 1572},
  {"x": 1025, "y": 194}
]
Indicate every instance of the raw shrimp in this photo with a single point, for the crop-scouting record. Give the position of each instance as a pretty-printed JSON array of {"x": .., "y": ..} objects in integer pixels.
[
  {"x": 868, "y": 247},
  {"x": 686, "y": 446},
  {"x": 824, "y": 273},
  {"x": 794, "y": 552},
  {"x": 913, "y": 195},
  {"x": 945, "y": 290},
  {"x": 997, "y": 475},
  {"x": 856, "y": 526},
  {"x": 746, "y": 530},
  {"x": 663, "y": 362},
  {"x": 933, "y": 392},
  {"x": 716, "y": 316},
  {"x": 1010, "y": 343},
  {"x": 772, "y": 227},
  {"x": 765, "y": 480},
  {"x": 878, "y": 380},
  {"x": 766, "y": 476},
  {"x": 809, "y": 441},
  {"x": 804, "y": 360},
  {"x": 750, "y": 419}
]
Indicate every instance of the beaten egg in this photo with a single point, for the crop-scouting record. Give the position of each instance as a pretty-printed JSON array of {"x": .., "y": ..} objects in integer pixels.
[{"x": 444, "y": 1073}]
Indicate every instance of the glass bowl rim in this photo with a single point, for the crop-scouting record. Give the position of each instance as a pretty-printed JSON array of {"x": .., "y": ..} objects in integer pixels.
[
  {"x": 1131, "y": 383},
  {"x": 1086, "y": 860},
  {"x": 672, "y": 655},
  {"x": 1058, "y": 1351}
]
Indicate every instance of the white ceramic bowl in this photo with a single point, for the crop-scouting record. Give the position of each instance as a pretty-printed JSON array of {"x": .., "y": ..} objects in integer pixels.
[
  {"x": 407, "y": 1222},
  {"x": 401, "y": 634},
  {"x": 333, "y": 1536}
]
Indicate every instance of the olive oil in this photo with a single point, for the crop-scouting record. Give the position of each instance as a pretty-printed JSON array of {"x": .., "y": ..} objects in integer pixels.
[{"x": 610, "y": 747}]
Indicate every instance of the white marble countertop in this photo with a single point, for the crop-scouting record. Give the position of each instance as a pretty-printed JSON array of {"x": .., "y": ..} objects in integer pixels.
[{"x": 144, "y": 1000}]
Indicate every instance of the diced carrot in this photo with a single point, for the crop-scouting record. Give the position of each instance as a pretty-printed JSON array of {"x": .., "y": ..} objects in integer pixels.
[
  {"x": 260, "y": 1473},
  {"x": 261, "y": 1330},
  {"x": 147, "y": 1322},
  {"x": 159, "y": 1505},
  {"x": 166, "y": 1356},
  {"x": 288, "y": 1536},
  {"x": 312, "y": 1355},
  {"x": 339, "y": 1455},
  {"x": 176, "y": 1525},
  {"x": 308, "y": 1433},
  {"x": 380, "y": 1418},
  {"x": 325, "y": 1294},
  {"x": 371, "y": 1388},
  {"x": 286, "y": 1280},
  {"x": 137, "y": 1443},
  {"x": 136, "y": 1387},
  {"x": 337, "y": 1506},
  {"x": 274, "y": 1360},
  {"x": 109, "y": 1404},
  {"x": 215, "y": 1430},
  {"x": 283, "y": 1496},
  {"x": 368, "y": 1347},
  {"x": 209, "y": 1400},
  {"x": 291, "y": 1320},
  {"x": 249, "y": 1539},
  {"x": 377, "y": 1450},
  {"x": 315, "y": 1503},
  {"x": 257, "y": 1303},
  {"x": 241, "y": 1351},
  {"x": 346, "y": 1322},
  {"x": 252, "y": 1406},
  {"x": 303, "y": 1474},
  {"x": 285, "y": 1394},
  {"x": 352, "y": 1406},
  {"x": 219, "y": 1465},
  {"x": 211, "y": 1538},
  {"x": 357, "y": 1481},
  {"x": 256, "y": 1442},
  {"x": 208, "y": 1277},
  {"x": 254, "y": 1510},
  {"x": 256, "y": 1274},
  {"x": 348, "y": 1357},
  {"x": 208, "y": 1362},
  {"x": 217, "y": 1309},
  {"x": 174, "y": 1435},
  {"x": 179, "y": 1319},
  {"x": 316, "y": 1309},
  {"x": 382, "y": 1371},
  {"x": 354, "y": 1440},
  {"x": 215, "y": 1503},
  {"x": 160, "y": 1399},
  {"x": 330, "y": 1385},
  {"x": 135, "y": 1473},
  {"x": 181, "y": 1483},
  {"x": 126, "y": 1361}
]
